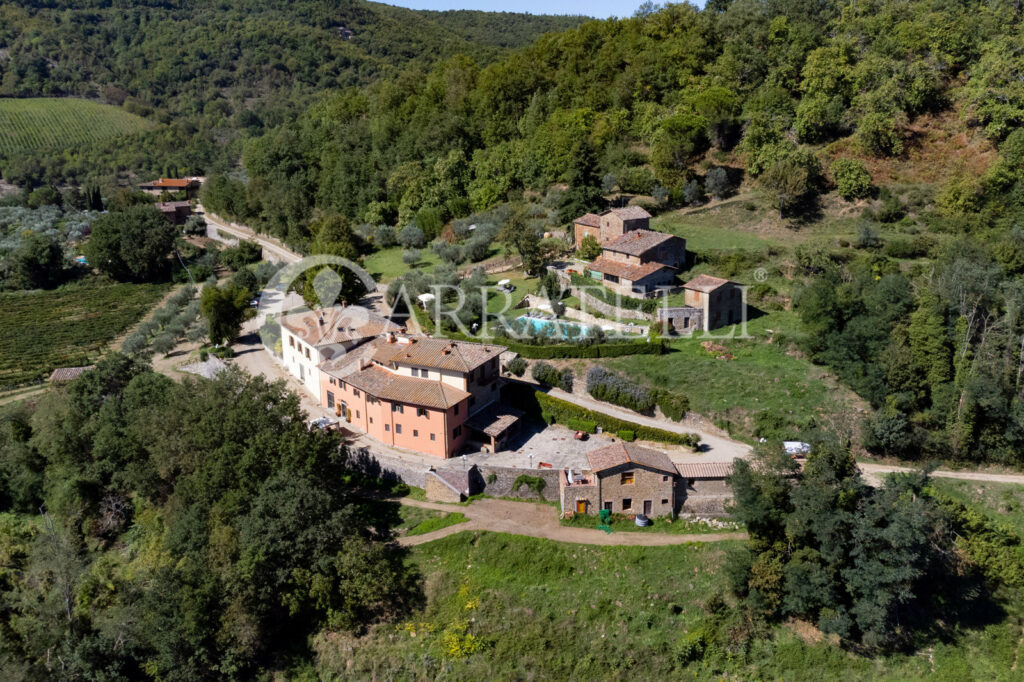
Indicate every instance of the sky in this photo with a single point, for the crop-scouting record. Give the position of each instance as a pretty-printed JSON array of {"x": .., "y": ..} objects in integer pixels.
[{"x": 591, "y": 8}]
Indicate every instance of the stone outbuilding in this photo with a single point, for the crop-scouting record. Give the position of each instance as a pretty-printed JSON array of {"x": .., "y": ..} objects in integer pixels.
[
  {"x": 623, "y": 478},
  {"x": 721, "y": 300},
  {"x": 451, "y": 485}
]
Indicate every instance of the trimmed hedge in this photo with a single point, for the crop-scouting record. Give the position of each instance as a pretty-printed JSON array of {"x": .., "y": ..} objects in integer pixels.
[
  {"x": 618, "y": 390},
  {"x": 628, "y": 436},
  {"x": 582, "y": 425},
  {"x": 555, "y": 410},
  {"x": 596, "y": 350}
]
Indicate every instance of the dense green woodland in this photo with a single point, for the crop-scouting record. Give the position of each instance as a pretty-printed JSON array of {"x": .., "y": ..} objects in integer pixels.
[
  {"x": 216, "y": 72},
  {"x": 150, "y": 529}
]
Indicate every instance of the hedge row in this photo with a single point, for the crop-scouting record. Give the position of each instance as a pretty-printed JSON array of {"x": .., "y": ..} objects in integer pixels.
[
  {"x": 596, "y": 350},
  {"x": 556, "y": 410}
]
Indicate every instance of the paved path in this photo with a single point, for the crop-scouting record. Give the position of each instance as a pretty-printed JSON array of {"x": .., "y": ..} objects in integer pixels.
[
  {"x": 215, "y": 226},
  {"x": 717, "y": 448},
  {"x": 541, "y": 521}
]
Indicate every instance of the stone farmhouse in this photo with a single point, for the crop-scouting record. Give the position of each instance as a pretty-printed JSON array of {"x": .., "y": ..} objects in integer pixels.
[
  {"x": 610, "y": 224},
  {"x": 710, "y": 303},
  {"x": 624, "y": 479}
]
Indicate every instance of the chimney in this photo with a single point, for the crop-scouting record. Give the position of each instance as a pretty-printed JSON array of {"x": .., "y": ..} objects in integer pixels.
[
  {"x": 390, "y": 337},
  {"x": 321, "y": 320}
]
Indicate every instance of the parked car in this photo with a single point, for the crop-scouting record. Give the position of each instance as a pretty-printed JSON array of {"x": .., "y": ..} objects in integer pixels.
[
  {"x": 323, "y": 423},
  {"x": 581, "y": 435}
]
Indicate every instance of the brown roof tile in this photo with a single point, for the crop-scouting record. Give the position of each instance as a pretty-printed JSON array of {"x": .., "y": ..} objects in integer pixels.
[
  {"x": 631, "y": 213},
  {"x": 705, "y": 283},
  {"x": 170, "y": 183},
  {"x": 380, "y": 383},
  {"x": 705, "y": 469},
  {"x": 422, "y": 351},
  {"x": 340, "y": 325},
  {"x": 589, "y": 220},
  {"x": 64, "y": 374},
  {"x": 639, "y": 242},
  {"x": 633, "y": 273},
  {"x": 624, "y": 453}
]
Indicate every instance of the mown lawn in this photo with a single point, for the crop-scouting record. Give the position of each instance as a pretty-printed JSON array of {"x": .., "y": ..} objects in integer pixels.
[
  {"x": 386, "y": 264},
  {"x": 69, "y": 326},
  {"x": 510, "y": 607}
]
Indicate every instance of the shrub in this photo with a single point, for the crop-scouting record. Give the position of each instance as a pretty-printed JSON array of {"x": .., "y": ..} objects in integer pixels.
[
  {"x": 384, "y": 236},
  {"x": 412, "y": 257},
  {"x": 628, "y": 436},
  {"x": 581, "y": 425},
  {"x": 412, "y": 237},
  {"x": 544, "y": 373},
  {"x": 716, "y": 182},
  {"x": 589, "y": 248},
  {"x": 534, "y": 483},
  {"x": 204, "y": 355},
  {"x": 565, "y": 380},
  {"x": 637, "y": 180},
  {"x": 516, "y": 366},
  {"x": 603, "y": 350},
  {"x": 612, "y": 388},
  {"x": 852, "y": 179},
  {"x": 673, "y": 405}
]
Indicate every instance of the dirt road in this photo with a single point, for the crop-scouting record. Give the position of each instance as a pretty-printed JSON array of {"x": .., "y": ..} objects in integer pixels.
[
  {"x": 541, "y": 521},
  {"x": 217, "y": 228},
  {"x": 874, "y": 472}
]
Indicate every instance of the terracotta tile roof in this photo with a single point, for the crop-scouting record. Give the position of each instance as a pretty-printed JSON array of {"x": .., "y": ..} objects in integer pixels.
[
  {"x": 172, "y": 206},
  {"x": 639, "y": 242},
  {"x": 346, "y": 363},
  {"x": 494, "y": 420},
  {"x": 169, "y": 183},
  {"x": 705, "y": 469},
  {"x": 705, "y": 283},
  {"x": 588, "y": 219},
  {"x": 633, "y": 273},
  {"x": 340, "y": 325},
  {"x": 380, "y": 383},
  {"x": 630, "y": 213},
  {"x": 421, "y": 351},
  {"x": 65, "y": 374},
  {"x": 624, "y": 453}
]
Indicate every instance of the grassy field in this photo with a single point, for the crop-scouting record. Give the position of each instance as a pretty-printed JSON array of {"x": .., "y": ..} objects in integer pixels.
[
  {"x": 1003, "y": 502},
  {"x": 760, "y": 376},
  {"x": 386, "y": 264},
  {"x": 65, "y": 327},
  {"x": 437, "y": 523},
  {"x": 51, "y": 123},
  {"x": 509, "y": 607}
]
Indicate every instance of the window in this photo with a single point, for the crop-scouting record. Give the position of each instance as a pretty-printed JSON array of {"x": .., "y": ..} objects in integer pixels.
[
  {"x": 627, "y": 503},
  {"x": 398, "y": 407},
  {"x": 332, "y": 382},
  {"x": 330, "y": 399},
  {"x": 432, "y": 437},
  {"x": 371, "y": 420},
  {"x": 627, "y": 478},
  {"x": 398, "y": 428},
  {"x": 608, "y": 506},
  {"x": 357, "y": 414},
  {"x": 456, "y": 432},
  {"x": 456, "y": 409},
  {"x": 415, "y": 372},
  {"x": 387, "y": 427},
  {"x": 664, "y": 478},
  {"x": 291, "y": 341},
  {"x": 355, "y": 392},
  {"x": 664, "y": 501},
  {"x": 415, "y": 433},
  {"x": 307, "y": 354},
  {"x": 421, "y": 412},
  {"x": 424, "y": 374}
]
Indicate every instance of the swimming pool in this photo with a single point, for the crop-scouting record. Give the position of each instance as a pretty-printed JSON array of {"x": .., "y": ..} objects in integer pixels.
[{"x": 556, "y": 329}]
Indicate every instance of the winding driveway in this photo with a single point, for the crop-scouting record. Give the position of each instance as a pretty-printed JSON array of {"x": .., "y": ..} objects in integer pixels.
[
  {"x": 217, "y": 228},
  {"x": 540, "y": 521}
]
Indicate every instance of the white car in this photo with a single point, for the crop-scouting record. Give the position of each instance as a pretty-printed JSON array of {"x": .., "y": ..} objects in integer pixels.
[{"x": 323, "y": 423}]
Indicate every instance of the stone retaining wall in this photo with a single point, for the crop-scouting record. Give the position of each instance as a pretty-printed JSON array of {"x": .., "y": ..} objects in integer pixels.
[{"x": 504, "y": 477}]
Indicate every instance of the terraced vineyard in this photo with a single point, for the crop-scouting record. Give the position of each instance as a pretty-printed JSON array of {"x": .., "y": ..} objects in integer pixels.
[
  {"x": 65, "y": 327},
  {"x": 51, "y": 123}
]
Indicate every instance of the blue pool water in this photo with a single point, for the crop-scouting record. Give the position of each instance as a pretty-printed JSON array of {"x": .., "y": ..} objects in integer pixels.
[{"x": 557, "y": 329}]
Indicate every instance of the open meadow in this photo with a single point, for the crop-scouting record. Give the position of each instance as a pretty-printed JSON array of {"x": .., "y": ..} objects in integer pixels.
[
  {"x": 65, "y": 327},
  {"x": 54, "y": 123},
  {"x": 508, "y": 607}
]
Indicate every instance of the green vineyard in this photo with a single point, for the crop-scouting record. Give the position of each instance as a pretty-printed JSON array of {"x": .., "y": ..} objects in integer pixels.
[
  {"x": 42, "y": 330},
  {"x": 53, "y": 123}
]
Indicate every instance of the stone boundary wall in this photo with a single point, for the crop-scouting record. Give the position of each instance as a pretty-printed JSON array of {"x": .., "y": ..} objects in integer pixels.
[
  {"x": 506, "y": 476},
  {"x": 610, "y": 310}
]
